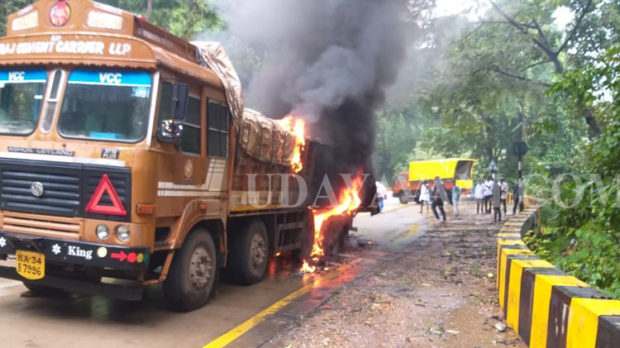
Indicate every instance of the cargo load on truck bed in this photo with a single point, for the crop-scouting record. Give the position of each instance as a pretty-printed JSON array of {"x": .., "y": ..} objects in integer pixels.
[{"x": 259, "y": 136}]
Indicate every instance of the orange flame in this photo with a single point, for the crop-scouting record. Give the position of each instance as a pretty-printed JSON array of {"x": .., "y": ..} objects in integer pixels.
[
  {"x": 297, "y": 127},
  {"x": 348, "y": 203},
  {"x": 306, "y": 268}
]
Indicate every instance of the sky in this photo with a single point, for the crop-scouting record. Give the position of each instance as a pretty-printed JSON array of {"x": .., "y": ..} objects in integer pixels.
[
  {"x": 476, "y": 8},
  {"x": 451, "y": 7}
]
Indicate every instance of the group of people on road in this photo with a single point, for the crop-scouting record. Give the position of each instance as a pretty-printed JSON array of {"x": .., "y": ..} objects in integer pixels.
[
  {"x": 436, "y": 197},
  {"x": 490, "y": 195},
  {"x": 493, "y": 194}
]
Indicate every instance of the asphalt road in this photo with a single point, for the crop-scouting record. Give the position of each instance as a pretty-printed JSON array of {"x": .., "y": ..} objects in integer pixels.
[{"x": 73, "y": 320}]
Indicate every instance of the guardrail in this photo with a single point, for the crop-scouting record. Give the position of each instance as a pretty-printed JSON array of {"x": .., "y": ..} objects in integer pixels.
[{"x": 545, "y": 306}]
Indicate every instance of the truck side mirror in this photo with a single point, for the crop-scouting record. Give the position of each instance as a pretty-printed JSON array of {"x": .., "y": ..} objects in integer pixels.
[
  {"x": 178, "y": 104},
  {"x": 169, "y": 131}
]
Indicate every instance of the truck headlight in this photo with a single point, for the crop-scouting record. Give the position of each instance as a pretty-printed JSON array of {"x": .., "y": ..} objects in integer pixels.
[
  {"x": 102, "y": 231},
  {"x": 122, "y": 233}
]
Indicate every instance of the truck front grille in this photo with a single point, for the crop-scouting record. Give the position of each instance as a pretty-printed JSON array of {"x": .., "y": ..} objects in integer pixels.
[
  {"x": 66, "y": 188},
  {"x": 61, "y": 189}
]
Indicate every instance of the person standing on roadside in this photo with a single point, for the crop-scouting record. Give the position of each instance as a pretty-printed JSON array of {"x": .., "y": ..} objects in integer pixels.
[
  {"x": 521, "y": 195},
  {"x": 488, "y": 194},
  {"x": 497, "y": 198},
  {"x": 503, "y": 186},
  {"x": 438, "y": 195},
  {"x": 518, "y": 194},
  {"x": 479, "y": 197},
  {"x": 456, "y": 196},
  {"x": 425, "y": 196}
]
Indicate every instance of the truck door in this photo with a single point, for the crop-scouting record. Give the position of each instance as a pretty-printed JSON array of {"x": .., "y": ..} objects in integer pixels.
[{"x": 189, "y": 163}]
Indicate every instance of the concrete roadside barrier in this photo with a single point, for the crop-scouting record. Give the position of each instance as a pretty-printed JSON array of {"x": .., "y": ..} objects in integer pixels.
[{"x": 545, "y": 306}]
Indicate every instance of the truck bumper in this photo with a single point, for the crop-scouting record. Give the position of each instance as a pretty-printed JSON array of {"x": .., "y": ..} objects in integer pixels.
[{"x": 77, "y": 253}]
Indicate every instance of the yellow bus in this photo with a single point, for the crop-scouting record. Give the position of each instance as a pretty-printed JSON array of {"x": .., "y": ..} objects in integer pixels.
[{"x": 459, "y": 170}]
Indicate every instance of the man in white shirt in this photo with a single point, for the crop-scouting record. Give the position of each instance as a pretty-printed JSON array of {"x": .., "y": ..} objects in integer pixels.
[
  {"x": 479, "y": 196},
  {"x": 488, "y": 194}
]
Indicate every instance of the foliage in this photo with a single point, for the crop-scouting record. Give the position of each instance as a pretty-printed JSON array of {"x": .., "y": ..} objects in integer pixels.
[
  {"x": 395, "y": 140},
  {"x": 514, "y": 74},
  {"x": 184, "y": 18},
  {"x": 9, "y": 7},
  {"x": 580, "y": 233},
  {"x": 582, "y": 240}
]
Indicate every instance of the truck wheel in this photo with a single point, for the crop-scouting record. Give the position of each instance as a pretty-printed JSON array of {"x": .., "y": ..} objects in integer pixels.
[
  {"x": 403, "y": 198},
  {"x": 191, "y": 277},
  {"x": 249, "y": 254}
]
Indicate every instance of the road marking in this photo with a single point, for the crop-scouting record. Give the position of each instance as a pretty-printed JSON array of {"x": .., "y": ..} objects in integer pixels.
[
  {"x": 247, "y": 325},
  {"x": 413, "y": 230},
  {"x": 389, "y": 209}
]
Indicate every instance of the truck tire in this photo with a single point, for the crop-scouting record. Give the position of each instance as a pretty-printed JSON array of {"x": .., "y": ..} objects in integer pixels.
[
  {"x": 191, "y": 278},
  {"x": 403, "y": 198},
  {"x": 249, "y": 254}
]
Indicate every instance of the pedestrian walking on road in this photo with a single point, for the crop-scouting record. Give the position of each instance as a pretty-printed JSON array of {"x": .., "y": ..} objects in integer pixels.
[
  {"x": 456, "y": 196},
  {"x": 438, "y": 195},
  {"x": 497, "y": 198},
  {"x": 479, "y": 196},
  {"x": 503, "y": 186},
  {"x": 425, "y": 196}
]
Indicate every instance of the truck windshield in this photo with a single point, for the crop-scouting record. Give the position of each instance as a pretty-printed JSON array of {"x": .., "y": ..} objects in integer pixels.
[
  {"x": 106, "y": 105},
  {"x": 21, "y": 95}
]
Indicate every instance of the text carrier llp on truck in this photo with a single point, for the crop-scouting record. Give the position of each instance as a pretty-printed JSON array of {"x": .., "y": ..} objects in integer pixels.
[{"x": 120, "y": 158}]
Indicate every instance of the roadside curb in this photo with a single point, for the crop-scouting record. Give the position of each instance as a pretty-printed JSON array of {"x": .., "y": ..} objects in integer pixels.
[{"x": 545, "y": 306}]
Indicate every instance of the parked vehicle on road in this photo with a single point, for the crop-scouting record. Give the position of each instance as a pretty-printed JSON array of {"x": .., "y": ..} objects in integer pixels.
[
  {"x": 120, "y": 158},
  {"x": 407, "y": 185}
]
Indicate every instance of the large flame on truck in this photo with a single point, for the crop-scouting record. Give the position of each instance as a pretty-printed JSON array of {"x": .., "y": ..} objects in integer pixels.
[
  {"x": 297, "y": 127},
  {"x": 348, "y": 203}
]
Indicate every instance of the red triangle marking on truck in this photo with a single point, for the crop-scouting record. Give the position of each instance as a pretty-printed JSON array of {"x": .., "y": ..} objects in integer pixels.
[{"x": 105, "y": 185}]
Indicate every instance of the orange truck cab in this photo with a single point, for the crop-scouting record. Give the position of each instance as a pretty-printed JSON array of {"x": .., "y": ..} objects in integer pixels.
[{"x": 119, "y": 160}]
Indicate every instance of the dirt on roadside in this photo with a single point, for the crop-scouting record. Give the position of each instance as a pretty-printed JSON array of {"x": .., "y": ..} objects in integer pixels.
[{"x": 438, "y": 291}]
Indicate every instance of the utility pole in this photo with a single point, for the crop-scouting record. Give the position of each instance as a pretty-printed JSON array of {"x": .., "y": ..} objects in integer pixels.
[{"x": 519, "y": 148}]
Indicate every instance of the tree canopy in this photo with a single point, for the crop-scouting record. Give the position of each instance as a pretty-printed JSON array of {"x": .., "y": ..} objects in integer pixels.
[
  {"x": 184, "y": 18},
  {"x": 515, "y": 73}
]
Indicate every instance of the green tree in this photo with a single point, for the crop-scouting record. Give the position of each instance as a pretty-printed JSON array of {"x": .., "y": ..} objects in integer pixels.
[
  {"x": 8, "y": 7},
  {"x": 184, "y": 18}
]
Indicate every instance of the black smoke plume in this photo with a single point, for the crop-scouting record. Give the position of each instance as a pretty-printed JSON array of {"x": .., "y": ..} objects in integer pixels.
[{"x": 329, "y": 61}]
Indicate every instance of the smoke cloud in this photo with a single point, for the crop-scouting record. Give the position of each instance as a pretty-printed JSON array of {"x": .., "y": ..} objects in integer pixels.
[{"x": 328, "y": 61}]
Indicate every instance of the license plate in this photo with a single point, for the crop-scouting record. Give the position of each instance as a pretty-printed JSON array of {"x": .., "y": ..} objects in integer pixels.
[{"x": 30, "y": 265}]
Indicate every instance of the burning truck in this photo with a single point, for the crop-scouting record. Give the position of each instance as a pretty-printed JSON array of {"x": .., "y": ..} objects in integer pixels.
[{"x": 126, "y": 154}]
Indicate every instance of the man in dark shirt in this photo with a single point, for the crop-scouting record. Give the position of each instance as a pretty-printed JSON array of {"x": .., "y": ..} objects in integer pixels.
[
  {"x": 438, "y": 195},
  {"x": 518, "y": 195}
]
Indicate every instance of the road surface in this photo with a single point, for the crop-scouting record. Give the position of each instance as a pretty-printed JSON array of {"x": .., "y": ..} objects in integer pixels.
[{"x": 262, "y": 314}]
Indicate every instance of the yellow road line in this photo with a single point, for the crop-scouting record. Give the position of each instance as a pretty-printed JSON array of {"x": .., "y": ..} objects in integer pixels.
[
  {"x": 394, "y": 207},
  {"x": 389, "y": 209},
  {"x": 247, "y": 325},
  {"x": 413, "y": 230}
]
